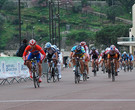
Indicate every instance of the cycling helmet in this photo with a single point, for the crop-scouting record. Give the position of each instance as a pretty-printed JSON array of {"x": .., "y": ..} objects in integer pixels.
[
  {"x": 93, "y": 48},
  {"x": 112, "y": 47},
  {"x": 48, "y": 45},
  {"x": 78, "y": 48},
  {"x": 32, "y": 42},
  {"x": 54, "y": 46},
  {"x": 124, "y": 52},
  {"x": 83, "y": 43}
]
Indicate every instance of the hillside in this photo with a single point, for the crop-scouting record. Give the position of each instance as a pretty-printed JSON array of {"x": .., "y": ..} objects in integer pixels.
[{"x": 35, "y": 24}]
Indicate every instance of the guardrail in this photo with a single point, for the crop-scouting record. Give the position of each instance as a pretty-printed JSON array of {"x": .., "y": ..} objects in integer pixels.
[{"x": 128, "y": 39}]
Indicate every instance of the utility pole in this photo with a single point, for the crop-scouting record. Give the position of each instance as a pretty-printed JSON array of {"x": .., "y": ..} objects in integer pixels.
[
  {"x": 59, "y": 25},
  {"x": 50, "y": 35},
  {"x": 19, "y": 15}
]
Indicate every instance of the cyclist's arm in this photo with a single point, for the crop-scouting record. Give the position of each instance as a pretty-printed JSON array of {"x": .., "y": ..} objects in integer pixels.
[
  {"x": 26, "y": 52},
  {"x": 86, "y": 56},
  {"x": 71, "y": 55},
  {"x": 56, "y": 54}
]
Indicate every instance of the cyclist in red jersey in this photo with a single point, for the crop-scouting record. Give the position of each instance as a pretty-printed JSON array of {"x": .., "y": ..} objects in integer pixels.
[
  {"x": 83, "y": 44},
  {"x": 31, "y": 51}
]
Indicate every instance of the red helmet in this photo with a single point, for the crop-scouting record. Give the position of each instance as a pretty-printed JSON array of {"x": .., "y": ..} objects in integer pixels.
[
  {"x": 32, "y": 42},
  {"x": 83, "y": 43}
]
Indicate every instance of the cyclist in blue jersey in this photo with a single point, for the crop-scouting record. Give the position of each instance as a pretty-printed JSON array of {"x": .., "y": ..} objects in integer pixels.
[
  {"x": 131, "y": 58},
  {"x": 124, "y": 58},
  {"x": 78, "y": 51}
]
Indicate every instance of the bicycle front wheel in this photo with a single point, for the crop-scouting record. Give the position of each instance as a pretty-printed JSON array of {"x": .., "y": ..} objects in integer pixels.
[
  {"x": 34, "y": 80},
  {"x": 113, "y": 72}
]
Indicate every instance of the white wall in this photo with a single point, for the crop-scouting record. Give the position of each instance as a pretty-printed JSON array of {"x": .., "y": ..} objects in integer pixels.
[{"x": 133, "y": 19}]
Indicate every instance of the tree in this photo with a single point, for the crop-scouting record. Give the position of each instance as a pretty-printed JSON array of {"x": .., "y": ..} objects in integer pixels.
[
  {"x": 127, "y": 4},
  {"x": 1, "y": 23},
  {"x": 78, "y": 36},
  {"x": 2, "y": 2},
  {"x": 112, "y": 12},
  {"x": 9, "y": 6},
  {"x": 109, "y": 34}
]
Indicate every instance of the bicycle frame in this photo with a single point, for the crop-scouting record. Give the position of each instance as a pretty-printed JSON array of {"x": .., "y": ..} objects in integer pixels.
[
  {"x": 112, "y": 68},
  {"x": 95, "y": 67},
  {"x": 34, "y": 72},
  {"x": 54, "y": 72},
  {"x": 77, "y": 75}
]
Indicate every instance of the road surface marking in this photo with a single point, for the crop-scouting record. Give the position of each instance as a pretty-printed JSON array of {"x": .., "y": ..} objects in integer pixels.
[{"x": 70, "y": 100}]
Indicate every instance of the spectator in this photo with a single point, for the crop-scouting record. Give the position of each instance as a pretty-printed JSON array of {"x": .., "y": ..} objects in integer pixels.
[{"x": 20, "y": 51}]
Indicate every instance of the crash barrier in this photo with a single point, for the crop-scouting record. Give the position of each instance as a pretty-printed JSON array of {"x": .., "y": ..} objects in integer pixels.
[{"x": 12, "y": 69}]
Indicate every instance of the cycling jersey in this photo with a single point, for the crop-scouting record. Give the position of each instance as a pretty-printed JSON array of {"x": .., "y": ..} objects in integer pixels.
[
  {"x": 34, "y": 52},
  {"x": 50, "y": 53},
  {"x": 131, "y": 57},
  {"x": 113, "y": 53},
  {"x": 78, "y": 53},
  {"x": 94, "y": 54},
  {"x": 125, "y": 57}
]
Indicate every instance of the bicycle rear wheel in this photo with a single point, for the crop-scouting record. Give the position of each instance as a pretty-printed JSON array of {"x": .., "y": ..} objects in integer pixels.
[
  {"x": 53, "y": 75},
  {"x": 37, "y": 79},
  {"x": 48, "y": 76}
]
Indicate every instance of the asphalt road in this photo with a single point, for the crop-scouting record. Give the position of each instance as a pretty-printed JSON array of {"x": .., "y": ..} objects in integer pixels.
[{"x": 98, "y": 93}]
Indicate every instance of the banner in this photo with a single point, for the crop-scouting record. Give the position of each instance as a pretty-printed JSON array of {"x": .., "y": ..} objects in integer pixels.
[{"x": 13, "y": 67}]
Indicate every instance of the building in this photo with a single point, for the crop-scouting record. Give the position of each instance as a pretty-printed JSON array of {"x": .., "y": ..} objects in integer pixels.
[{"x": 129, "y": 41}]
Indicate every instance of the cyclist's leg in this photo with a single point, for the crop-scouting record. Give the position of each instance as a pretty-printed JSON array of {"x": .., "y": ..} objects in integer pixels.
[
  {"x": 28, "y": 63},
  {"x": 92, "y": 64},
  {"x": 97, "y": 63},
  {"x": 109, "y": 62},
  {"x": 87, "y": 66},
  {"x": 38, "y": 56},
  {"x": 82, "y": 65},
  {"x": 116, "y": 62}
]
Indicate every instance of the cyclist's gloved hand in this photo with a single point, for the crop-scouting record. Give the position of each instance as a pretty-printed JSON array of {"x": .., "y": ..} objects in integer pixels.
[
  {"x": 24, "y": 62},
  {"x": 41, "y": 61}
]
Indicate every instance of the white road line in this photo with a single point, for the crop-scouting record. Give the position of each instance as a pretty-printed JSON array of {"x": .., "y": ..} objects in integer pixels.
[{"x": 70, "y": 100}]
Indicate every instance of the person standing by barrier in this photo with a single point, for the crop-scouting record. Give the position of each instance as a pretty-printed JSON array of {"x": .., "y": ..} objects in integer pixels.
[
  {"x": 20, "y": 51},
  {"x": 34, "y": 50}
]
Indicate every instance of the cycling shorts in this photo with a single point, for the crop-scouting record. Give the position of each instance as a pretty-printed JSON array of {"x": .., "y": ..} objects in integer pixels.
[
  {"x": 115, "y": 56},
  {"x": 94, "y": 57},
  {"x": 30, "y": 56},
  {"x": 80, "y": 56}
]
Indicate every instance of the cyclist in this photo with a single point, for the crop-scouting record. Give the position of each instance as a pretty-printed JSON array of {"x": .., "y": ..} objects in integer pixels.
[
  {"x": 94, "y": 55},
  {"x": 113, "y": 52},
  {"x": 102, "y": 58},
  {"x": 124, "y": 58},
  {"x": 59, "y": 62},
  {"x": 131, "y": 58},
  {"x": 87, "y": 60},
  {"x": 31, "y": 51},
  {"x": 51, "y": 54},
  {"x": 78, "y": 51}
]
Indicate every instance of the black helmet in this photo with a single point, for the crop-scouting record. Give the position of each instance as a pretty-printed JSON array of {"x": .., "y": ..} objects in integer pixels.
[
  {"x": 78, "y": 48},
  {"x": 93, "y": 48}
]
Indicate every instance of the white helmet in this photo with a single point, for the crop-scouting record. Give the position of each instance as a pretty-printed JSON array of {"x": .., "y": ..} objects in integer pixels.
[{"x": 124, "y": 52}]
